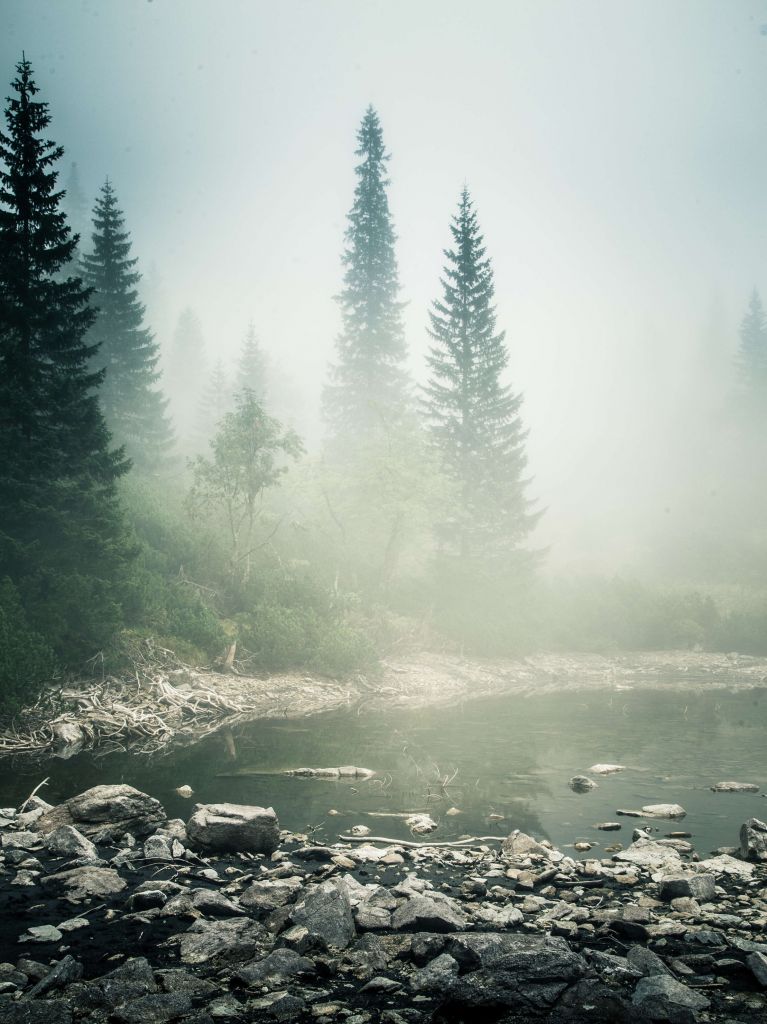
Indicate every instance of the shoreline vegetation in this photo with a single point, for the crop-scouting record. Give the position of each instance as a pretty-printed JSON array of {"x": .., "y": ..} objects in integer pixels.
[{"x": 164, "y": 702}]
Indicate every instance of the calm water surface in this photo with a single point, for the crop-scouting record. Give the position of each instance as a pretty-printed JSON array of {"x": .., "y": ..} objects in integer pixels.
[{"x": 511, "y": 757}]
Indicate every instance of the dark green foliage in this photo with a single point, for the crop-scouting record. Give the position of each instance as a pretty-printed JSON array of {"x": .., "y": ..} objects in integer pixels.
[
  {"x": 134, "y": 407},
  {"x": 62, "y": 537},
  {"x": 474, "y": 417},
  {"x": 26, "y": 660},
  {"x": 252, "y": 367},
  {"x": 368, "y": 382}
]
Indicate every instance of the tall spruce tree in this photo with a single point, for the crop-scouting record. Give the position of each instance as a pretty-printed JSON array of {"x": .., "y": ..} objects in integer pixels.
[
  {"x": 61, "y": 531},
  {"x": 474, "y": 417},
  {"x": 752, "y": 356},
  {"x": 134, "y": 406},
  {"x": 251, "y": 368},
  {"x": 368, "y": 381},
  {"x": 217, "y": 401}
]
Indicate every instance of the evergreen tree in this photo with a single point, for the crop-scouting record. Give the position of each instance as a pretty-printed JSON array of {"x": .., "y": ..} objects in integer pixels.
[
  {"x": 368, "y": 382},
  {"x": 752, "y": 356},
  {"x": 61, "y": 531},
  {"x": 134, "y": 407},
  {"x": 474, "y": 417},
  {"x": 251, "y": 369},
  {"x": 187, "y": 374}
]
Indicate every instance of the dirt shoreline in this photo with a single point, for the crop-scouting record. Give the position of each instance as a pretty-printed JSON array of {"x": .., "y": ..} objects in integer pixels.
[{"x": 164, "y": 706}]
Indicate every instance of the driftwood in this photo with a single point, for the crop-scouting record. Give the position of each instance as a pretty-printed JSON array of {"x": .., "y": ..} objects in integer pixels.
[{"x": 415, "y": 846}]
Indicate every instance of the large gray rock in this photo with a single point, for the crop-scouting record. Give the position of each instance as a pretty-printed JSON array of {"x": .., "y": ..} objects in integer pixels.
[
  {"x": 276, "y": 969},
  {"x": 519, "y": 846},
  {"x": 235, "y": 828},
  {"x": 429, "y": 913},
  {"x": 106, "y": 812},
  {"x": 326, "y": 913},
  {"x": 753, "y": 840},
  {"x": 81, "y": 883},
  {"x": 268, "y": 894},
  {"x": 735, "y": 787},
  {"x": 701, "y": 886},
  {"x": 663, "y": 998},
  {"x": 66, "y": 841},
  {"x": 235, "y": 939},
  {"x": 645, "y": 853}
]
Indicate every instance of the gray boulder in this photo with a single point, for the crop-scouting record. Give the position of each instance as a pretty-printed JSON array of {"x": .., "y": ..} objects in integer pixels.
[
  {"x": 105, "y": 812},
  {"x": 44, "y": 1011},
  {"x": 663, "y": 998},
  {"x": 81, "y": 883},
  {"x": 700, "y": 887},
  {"x": 275, "y": 969},
  {"x": 753, "y": 840},
  {"x": 235, "y": 939},
  {"x": 66, "y": 841},
  {"x": 326, "y": 913},
  {"x": 432, "y": 913},
  {"x": 235, "y": 828}
]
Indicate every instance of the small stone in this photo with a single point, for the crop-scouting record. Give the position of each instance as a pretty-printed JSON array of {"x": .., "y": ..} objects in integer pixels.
[
  {"x": 609, "y": 826},
  {"x": 41, "y": 933},
  {"x": 582, "y": 784}
]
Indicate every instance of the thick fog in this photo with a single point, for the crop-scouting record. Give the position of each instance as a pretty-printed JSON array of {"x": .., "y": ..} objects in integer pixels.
[{"x": 616, "y": 152}]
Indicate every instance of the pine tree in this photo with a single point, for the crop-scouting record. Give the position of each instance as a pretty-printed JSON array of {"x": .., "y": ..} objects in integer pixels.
[
  {"x": 752, "y": 356},
  {"x": 251, "y": 369},
  {"x": 187, "y": 373},
  {"x": 134, "y": 407},
  {"x": 474, "y": 417},
  {"x": 368, "y": 382},
  {"x": 61, "y": 531}
]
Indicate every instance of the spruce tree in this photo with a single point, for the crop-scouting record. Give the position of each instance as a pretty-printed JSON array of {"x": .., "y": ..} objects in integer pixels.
[
  {"x": 752, "y": 356},
  {"x": 134, "y": 407},
  {"x": 368, "y": 382},
  {"x": 474, "y": 417},
  {"x": 61, "y": 531},
  {"x": 217, "y": 401},
  {"x": 251, "y": 368}
]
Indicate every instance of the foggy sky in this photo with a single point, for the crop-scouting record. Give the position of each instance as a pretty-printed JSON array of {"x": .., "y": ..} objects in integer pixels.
[{"x": 616, "y": 152}]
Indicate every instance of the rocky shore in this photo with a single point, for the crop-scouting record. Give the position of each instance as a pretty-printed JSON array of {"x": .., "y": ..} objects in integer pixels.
[{"x": 110, "y": 912}]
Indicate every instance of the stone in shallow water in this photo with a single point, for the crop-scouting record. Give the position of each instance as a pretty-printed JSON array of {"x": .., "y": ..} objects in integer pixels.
[
  {"x": 734, "y": 787},
  {"x": 582, "y": 784},
  {"x": 606, "y": 769},
  {"x": 236, "y": 828}
]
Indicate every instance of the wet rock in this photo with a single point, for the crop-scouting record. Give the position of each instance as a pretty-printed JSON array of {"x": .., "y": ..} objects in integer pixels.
[
  {"x": 275, "y": 969},
  {"x": 20, "y": 841},
  {"x": 41, "y": 933},
  {"x": 645, "y": 853},
  {"x": 609, "y": 826},
  {"x": 277, "y": 1006},
  {"x": 347, "y": 771},
  {"x": 325, "y": 911},
  {"x": 178, "y": 980},
  {"x": 753, "y": 840},
  {"x": 68, "y": 739},
  {"x": 154, "y": 1009},
  {"x": 271, "y": 893},
  {"x": 670, "y": 812},
  {"x": 581, "y": 784},
  {"x": 84, "y": 882},
  {"x": 106, "y": 812},
  {"x": 159, "y": 848},
  {"x": 646, "y": 962},
  {"x": 615, "y": 967},
  {"x": 43, "y": 1011},
  {"x": 734, "y": 787},
  {"x": 437, "y": 976},
  {"x": 65, "y": 971},
  {"x": 700, "y": 886},
  {"x": 662, "y": 998},
  {"x": 233, "y": 939},
  {"x": 237, "y": 828},
  {"x": 519, "y": 846},
  {"x": 433, "y": 913},
  {"x": 606, "y": 769},
  {"x": 757, "y": 964},
  {"x": 421, "y": 824},
  {"x": 66, "y": 841}
]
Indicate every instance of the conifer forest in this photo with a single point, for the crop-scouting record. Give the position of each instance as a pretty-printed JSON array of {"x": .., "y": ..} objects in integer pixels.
[{"x": 397, "y": 371}]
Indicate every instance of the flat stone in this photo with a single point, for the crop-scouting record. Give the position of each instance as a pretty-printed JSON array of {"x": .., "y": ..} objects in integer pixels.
[
  {"x": 275, "y": 969},
  {"x": 271, "y": 893},
  {"x": 428, "y": 914},
  {"x": 519, "y": 846},
  {"x": 606, "y": 769},
  {"x": 156, "y": 1008},
  {"x": 645, "y": 853},
  {"x": 41, "y": 933},
  {"x": 734, "y": 787},
  {"x": 106, "y": 812},
  {"x": 84, "y": 882},
  {"x": 230, "y": 939},
  {"x": 237, "y": 828}
]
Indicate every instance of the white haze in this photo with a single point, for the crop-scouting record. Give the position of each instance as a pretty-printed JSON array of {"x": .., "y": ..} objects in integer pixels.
[{"x": 616, "y": 151}]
